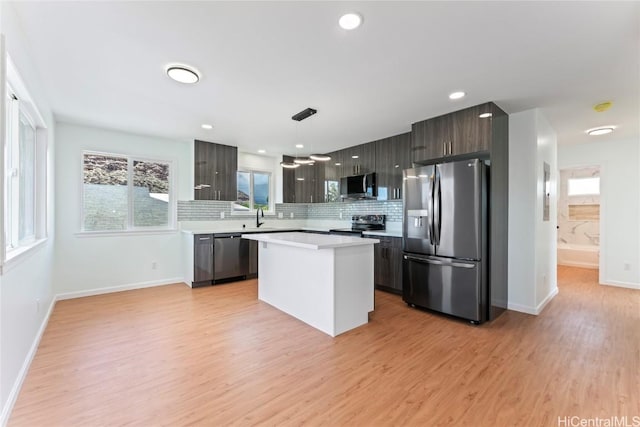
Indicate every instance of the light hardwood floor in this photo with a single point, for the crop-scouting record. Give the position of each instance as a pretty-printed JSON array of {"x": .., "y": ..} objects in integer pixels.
[{"x": 218, "y": 356}]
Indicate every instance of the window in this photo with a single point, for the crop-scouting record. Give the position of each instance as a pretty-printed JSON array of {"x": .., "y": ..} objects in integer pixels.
[
  {"x": 331, "y": 191},
  {"x": 584, "y": 186},
  {"x": 21, "y": 174},
  {"x": 122, "y": 193},
  {"x": 254, "y": 191}
]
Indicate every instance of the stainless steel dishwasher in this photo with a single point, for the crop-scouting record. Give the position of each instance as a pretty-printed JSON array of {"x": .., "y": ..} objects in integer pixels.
[{"x": 231, "y": 255}]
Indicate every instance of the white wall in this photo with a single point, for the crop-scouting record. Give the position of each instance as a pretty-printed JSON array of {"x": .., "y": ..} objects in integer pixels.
[
  {"x": 619, "y": 162},
  {"x": 532, "y": 241},
  {"x": 83, "y": 264},
  {"x": 27, "y": 282}
]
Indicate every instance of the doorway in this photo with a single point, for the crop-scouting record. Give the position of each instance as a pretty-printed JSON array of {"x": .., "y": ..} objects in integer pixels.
[{"x": 579, "y": 217}]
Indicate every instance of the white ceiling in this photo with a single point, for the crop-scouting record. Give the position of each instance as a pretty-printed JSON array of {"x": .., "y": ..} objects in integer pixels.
[{"x": 102, "y": 63}]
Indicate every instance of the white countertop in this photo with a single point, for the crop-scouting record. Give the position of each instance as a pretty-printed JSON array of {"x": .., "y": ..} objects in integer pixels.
[{"x": 310, "y": 240}]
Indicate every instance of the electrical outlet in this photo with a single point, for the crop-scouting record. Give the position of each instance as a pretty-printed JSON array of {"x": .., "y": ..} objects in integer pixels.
[
  {"x": 627, "y": 266},
  {"x": 292, "y": 215},
  {"x": 280, "y": 215},
  {"x": 222, "y": 215},
  {"x": 154, "y": 265},
  {"x": 340, "y": 215}
]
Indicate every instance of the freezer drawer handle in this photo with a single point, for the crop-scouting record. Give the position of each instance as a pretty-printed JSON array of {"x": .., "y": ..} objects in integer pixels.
[{"x": 438, "y": 262}]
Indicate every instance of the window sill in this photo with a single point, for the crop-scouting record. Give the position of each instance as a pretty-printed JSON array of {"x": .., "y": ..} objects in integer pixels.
[
  {"x": 16, "y": 256},
  {"x": 121, "y": 233}
]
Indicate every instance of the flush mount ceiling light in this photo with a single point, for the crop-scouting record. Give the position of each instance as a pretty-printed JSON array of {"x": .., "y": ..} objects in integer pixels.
[
  {"x": 485, "y": 115},
  {"x": 262, "y": 151},
  {"x": 350, "y": 21},
  {"x": 456, "y": 95},
  {"x": 183, "y": 73},
  {"x": 603, "y": 130},
  {"x": 207, "y": 126},
  {"x": 299, "y": 146}
]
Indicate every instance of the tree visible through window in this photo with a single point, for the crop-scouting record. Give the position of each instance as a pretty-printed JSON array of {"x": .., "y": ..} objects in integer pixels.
[
  {"x": 113, "y": 202},
  {"x": 254, "y": 189}
]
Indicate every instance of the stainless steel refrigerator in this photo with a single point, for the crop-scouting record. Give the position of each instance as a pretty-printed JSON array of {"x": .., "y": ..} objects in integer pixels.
[{"x": 445, "y": 238}]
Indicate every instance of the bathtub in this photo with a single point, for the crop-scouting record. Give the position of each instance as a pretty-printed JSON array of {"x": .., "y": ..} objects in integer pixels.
[{"x": 585, "y": 256}]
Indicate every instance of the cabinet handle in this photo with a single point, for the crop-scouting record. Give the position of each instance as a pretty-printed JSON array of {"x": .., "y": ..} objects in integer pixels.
[
  {"x": 444, "y": 148},
  {"x": 311, "y": 198},
  {"x": 218, "y": 194},
  {"x": 449, "y": 147}
]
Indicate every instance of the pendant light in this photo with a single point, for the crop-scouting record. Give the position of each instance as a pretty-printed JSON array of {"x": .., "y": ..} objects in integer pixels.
[
  {"x": 320, "y": 157},
  {"x": 289, "y": 165}
]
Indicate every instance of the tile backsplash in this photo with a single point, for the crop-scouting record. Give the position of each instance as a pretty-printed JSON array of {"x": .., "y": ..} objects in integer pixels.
[{"x": 209, "y": 210}]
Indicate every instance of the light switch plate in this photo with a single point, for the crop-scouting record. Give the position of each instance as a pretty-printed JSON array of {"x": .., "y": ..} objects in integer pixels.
[
  {"x": 280, "y": 215},
  {"x": 291, "y": 214},
  {"x": 222, "y": 215}
]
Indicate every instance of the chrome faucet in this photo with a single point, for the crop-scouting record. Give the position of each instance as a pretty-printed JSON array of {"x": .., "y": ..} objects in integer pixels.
[{"x": 258, "y": 212}]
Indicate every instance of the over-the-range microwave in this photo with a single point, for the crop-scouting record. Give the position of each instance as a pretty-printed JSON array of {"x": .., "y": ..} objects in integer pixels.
[{"x": 359, "y": 186}]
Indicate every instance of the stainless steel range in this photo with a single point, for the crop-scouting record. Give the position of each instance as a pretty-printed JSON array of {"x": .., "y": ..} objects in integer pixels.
[{"x": 360, "y": 223}]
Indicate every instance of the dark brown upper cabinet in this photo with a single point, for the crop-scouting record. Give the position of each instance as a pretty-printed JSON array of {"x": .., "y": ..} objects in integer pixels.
[
  {"x": 215, "y": 171},
  {"x": 304, "y": 184},
  {"x": 458, "y": 133},
  {"x": 393, "y": 155},
  {"x": 359, "y": 159}
]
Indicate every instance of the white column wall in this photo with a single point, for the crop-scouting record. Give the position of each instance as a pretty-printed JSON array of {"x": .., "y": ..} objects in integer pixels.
[
  {"x": 532, "y": 241},
  {"x": 86, "y": 265},
  {"x": 619, "y": 162}
]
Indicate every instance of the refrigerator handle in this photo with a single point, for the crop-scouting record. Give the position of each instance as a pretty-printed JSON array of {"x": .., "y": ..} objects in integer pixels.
[
  {"x": 436, "y": 208},
  {"x": 439, "y": 262},
  {"x": 430, "y": 211}
]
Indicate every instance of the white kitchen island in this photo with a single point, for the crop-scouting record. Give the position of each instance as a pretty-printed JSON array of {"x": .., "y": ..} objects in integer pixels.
[{"x": 324, "y": 280}]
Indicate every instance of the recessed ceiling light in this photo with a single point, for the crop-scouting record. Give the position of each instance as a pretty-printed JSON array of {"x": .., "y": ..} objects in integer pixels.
[
  {"x": 338, "y": 164},
  {"x": 207, "y": 126},
  {"x": 601, "y": 130},
  {"x": 355, "y": 157},
  {"x": 183, "y": 73},
  {"x": 456, "y": 95},
  {"x": 350, "y": 21},
  {"x": 299, "y": 146},
  {"x": 262, "y": 151},
  {"x": 485, "y": 115}
]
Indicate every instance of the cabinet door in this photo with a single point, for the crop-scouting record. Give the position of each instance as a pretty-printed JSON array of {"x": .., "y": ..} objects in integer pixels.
[
  {"x": 401, "y": 160},
  {"x": 331, "y": 178},
  {"x": 288, "y": 182},
  {"x": 381, "y": 271},
  {"x": 395, "y": 263},
  {"x": 429, "y": 138},
  {"x": 226, "y": 161},
  {"x": 384, "y": 169},
  {"x": 367, "y": 160},
  {"x": 203, "y": 180},
  {"x": 472, "y": 133},
  {"x": 215, "y": 171},
  {"x": 202, "y": 257}
]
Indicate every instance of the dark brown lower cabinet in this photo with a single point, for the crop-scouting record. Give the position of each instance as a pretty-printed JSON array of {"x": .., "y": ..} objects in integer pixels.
[
  {"x": 202, "y": 260},
  {"x": 387, "y": 261}
]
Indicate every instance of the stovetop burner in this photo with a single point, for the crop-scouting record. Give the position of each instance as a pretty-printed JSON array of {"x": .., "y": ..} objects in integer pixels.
[{"x": 360, "y": 223}]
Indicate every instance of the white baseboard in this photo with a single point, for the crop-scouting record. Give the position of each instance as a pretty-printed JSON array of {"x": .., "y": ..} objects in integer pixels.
[
  {"x": 119, "y": 288},
  {"x": 628, "y": 285},
  {"x": 533, "y": 310},
  {"x": 546, "y": 300},
  {"x": 17, "y": 385}
]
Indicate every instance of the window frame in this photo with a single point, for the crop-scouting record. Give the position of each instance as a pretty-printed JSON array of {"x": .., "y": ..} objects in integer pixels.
[
  {"x": 131, "y": 229},
  {"x": 13, "y": 84},
  {"x": 252, "y": 210},
  {"x": 583, "y": 194}
]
